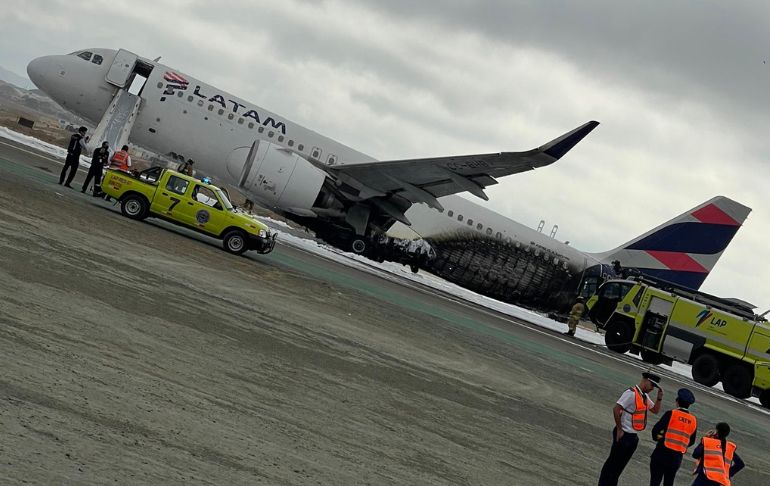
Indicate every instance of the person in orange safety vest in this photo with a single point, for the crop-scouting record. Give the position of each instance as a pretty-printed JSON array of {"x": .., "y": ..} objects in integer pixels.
[
  {"x": 717, "y": 460},
  {"x": 674, "y": 433},
  {"x": 121, "y": 160},
  {"x": 630, "y": 414}
]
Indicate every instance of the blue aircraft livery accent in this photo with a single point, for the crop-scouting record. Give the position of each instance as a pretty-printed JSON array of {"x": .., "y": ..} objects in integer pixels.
[{"x": 695, "y": 238}]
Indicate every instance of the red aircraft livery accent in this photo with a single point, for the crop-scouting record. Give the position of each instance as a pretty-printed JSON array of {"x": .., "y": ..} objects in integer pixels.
[
  {"x": 713, "y": 215},
  {"x": 678, "y": 261},
  {"x": 173, "y": 77}
]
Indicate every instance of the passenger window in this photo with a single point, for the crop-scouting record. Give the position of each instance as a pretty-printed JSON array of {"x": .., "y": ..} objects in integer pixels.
[
  {"x": 160, "y": 85},
  {"x": 498, "y": 235},
  {"x": 460, "y": 217},
  {"x": 221, "y": 111},
  {"x": 230, "y": 116},
  {"x": 291, "y": 143},
  {"x": 97, "y": 59},
  {"x": 251, "y": 124},
  {"x": 489, "y": 231},
  {"x": 206, "y": 196},
  {"x": 479, "y": 226},
  {"x": 85, "y": 55},
  {"x": 301, "y": 147},
  {"x": 177, "y": 185},
  {"x": 280, "y": 138},
  {"x": 200, "y": 102},
  {"x": 211, "y": 107},
  {"x": 240, "y": 121},
  {"x": 450, "y": 213},
  {"x": 189, "y": 98},
  {"x": 261, "y": 129},
  {"x": 270, "y": 133},
  {"x": 179, "y": 94}
]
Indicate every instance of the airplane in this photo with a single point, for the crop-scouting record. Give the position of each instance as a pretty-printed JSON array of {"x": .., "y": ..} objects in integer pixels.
[{"x": 347, "y": 198}]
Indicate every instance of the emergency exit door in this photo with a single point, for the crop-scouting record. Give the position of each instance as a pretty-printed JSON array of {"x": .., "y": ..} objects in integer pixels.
[{"x": 122, "y": 68}]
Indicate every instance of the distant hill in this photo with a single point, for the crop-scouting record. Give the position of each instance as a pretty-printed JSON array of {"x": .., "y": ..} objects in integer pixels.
[
  {"x": 15, "y": 79},
  {"x": 35, "y": 101}
]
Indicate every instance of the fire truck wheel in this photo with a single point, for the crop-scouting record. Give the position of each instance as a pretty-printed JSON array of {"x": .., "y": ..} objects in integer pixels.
[
  {"x": 618, "y": 336},
  {"x": 737, "y": 381},
  {"x": 705, "y": 369}
]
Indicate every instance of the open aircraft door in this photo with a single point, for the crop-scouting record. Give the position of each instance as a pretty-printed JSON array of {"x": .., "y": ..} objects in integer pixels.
[{"x": 122, "y": 68}]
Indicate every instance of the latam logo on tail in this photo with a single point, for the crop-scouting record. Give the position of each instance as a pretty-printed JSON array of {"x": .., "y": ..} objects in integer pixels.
[{"x": 705, "y": 314}]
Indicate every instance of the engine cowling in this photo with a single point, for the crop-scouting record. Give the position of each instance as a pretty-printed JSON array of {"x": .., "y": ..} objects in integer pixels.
[{"x": 276, "y": 177}]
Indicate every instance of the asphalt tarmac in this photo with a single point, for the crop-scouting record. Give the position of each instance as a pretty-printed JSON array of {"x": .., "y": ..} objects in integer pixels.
[{"x": 141, "y": 353}]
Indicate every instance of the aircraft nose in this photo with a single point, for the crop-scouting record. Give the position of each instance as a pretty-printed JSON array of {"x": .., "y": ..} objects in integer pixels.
[{"x": 40, "y": 71}]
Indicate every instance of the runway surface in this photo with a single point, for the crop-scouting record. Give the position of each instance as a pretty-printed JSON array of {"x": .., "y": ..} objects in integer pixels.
[{"x": 141, "y": 353}]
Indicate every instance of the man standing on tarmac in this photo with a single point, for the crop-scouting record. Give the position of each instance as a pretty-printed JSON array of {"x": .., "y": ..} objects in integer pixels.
[
  {"x": 630, "y": 413},
  {"x": 76, "y": 146},
  {"x": 674, "y": 433},
  {"x": 574, "y": 316},
  {"x": 99, "y": 161}
]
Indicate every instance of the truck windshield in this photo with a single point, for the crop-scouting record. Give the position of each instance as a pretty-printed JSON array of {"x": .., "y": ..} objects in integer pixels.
[{"x": 222, "y": 197}]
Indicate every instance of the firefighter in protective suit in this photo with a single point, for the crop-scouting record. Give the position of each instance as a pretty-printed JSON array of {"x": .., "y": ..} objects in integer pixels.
[
  {"x": 574, "y": 316},
  {"x": 674, "y": 433}
]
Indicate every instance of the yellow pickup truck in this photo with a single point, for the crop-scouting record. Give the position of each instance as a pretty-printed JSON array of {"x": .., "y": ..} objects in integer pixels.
[{"x": 184, "y": 200}]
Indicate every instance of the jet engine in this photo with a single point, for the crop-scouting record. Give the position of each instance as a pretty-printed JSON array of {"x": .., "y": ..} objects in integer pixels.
[{"x": 276, "y": 177}]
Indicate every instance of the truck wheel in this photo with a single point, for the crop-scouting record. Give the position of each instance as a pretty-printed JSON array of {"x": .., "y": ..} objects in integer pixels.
[
  {"x": 134, "y": 206},
  {"x": 414, "y": 268},
  {"x": 235, "y": 242},
  {"x": 737, "y": 381},
  {"x": 652, "y": 357},
  {"x": 764, "y": 398},
  {"x": 705, "y": 369},
  {"x": 618, "y": 336}
]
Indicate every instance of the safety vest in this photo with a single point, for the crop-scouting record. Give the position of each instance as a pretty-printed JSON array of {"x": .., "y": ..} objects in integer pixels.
[
  {"x": 716, "y": 465},
  {"x": 639, "y": 415},
  {"x": 120, "y": 160},
  {"x": 680, "y": 428}
]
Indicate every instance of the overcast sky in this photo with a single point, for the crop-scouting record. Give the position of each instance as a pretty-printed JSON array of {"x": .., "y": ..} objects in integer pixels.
[{"x": 681, "y": 90}]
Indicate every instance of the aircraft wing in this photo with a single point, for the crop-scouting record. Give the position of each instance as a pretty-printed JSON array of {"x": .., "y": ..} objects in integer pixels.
[{"x": 424, "y": 180}]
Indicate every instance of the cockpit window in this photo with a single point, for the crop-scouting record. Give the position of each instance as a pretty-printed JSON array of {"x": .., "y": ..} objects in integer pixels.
[
  {"x": 85, "y": 55},
  {"x": 97, "y": 59}
]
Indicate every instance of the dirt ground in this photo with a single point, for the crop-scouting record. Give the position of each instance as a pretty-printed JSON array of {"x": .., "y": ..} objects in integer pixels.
[{"x": 139, "y": 353}]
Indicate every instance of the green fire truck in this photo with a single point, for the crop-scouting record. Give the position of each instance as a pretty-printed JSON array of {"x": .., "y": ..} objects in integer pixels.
[{"x": 723, "y": 339}]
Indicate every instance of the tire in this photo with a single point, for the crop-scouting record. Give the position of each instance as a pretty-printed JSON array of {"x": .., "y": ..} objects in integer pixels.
[
  {"x": 737, "y": 380},
  {"x": 235, "y": 242},
  {"x": 618, "y": 336},
  {"x": 358, "y": 246},
  {"x": 134, "y": 206},
  {"x": 764, "y": 398},
  {"x": 705, "y": 369},
  {"x": 652, "y": 357}
]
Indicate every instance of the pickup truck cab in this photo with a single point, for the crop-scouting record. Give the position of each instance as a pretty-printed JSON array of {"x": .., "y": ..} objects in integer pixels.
[{"x": 189, "y": 202}]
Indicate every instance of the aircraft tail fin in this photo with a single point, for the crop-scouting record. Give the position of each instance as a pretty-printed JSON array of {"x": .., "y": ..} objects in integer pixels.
[{"x": 685, "y": 249}]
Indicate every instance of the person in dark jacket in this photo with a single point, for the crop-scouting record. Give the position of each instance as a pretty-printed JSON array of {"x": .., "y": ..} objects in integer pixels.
[
  {"x": 99, "y": 161},
  {"x": 674, "y": 433},
  {"x": 721, "y": 433},
  {"x": 72, "y": 162}
]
